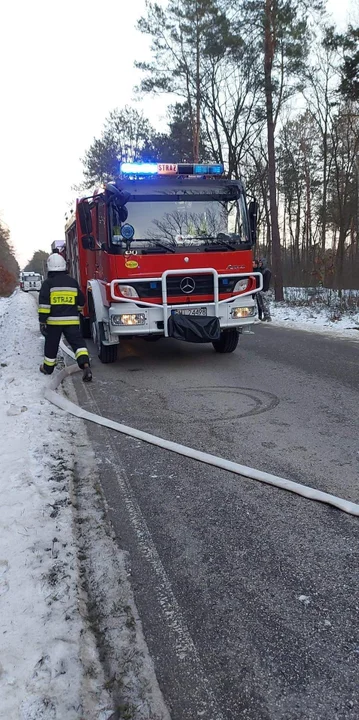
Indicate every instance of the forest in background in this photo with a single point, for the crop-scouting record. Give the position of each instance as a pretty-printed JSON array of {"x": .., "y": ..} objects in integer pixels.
[
  {"x": 271, "y": 90},
  {"x": 9, "y": 269}
]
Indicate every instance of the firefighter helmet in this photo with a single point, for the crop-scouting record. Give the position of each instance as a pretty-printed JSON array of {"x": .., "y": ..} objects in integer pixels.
[{"x": 55, "y": 263}]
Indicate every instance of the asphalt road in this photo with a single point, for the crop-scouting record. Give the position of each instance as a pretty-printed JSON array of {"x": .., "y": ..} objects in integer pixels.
[{"x": 248, "y": 594}]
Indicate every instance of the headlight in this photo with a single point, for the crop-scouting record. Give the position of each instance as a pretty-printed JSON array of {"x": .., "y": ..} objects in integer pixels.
[
  {"x": 242, "y": 312},
  {"x": 128, "y": 291},
  {"x": 135, "y": 319},
  {"x": 241, "y": 285}
]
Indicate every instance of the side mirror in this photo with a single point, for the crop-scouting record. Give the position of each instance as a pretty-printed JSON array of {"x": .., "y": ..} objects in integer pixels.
[
  {"x": 85, "y": 217},
  {"x": 113, "y": 194},
  {"x": 253, "y": 219},
  {"x": 88, "y": 242}
]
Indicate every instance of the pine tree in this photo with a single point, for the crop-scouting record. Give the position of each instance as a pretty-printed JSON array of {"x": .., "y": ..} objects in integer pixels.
[
  {"x": 185, "y": 35},
  {"x": 38, "y": 262},
  {"x": 282, "y": 32},
  {"x": 175, "y": 145},
  {"x": 125, "y": 135},
  {"x": 129, "y": 137},
  {"x": 349, "y": 45}
]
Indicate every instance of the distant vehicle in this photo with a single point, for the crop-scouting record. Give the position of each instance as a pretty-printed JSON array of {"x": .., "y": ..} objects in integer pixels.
[{"x": 30, "y": 281}]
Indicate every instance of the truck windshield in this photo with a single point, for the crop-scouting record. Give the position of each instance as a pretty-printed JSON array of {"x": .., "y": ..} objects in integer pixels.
[{"x": 186, "y": 217}]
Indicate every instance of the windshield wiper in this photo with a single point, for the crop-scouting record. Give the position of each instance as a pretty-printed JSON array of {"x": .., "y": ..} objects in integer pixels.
[
  {"x": 224, "y": 240},
  {"x": 209, "y": 240},
  {"x": 156, "y": 243},
  {"x": 165, "y": 247},
  {"x": 222, "y": 243}
]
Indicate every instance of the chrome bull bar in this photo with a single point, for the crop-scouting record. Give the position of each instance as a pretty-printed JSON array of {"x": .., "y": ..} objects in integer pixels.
[{"x": 193, "y": 271}]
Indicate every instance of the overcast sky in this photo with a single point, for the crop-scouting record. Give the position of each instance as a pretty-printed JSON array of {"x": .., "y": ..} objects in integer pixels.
[{"x": 64, "y": 66}]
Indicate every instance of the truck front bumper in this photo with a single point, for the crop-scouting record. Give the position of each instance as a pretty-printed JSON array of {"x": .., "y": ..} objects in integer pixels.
[
  {"x": 139, "y": 317},
  {"x": 132, "y": 319}
]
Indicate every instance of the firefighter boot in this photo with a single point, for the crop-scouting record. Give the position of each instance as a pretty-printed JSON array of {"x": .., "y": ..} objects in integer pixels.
[
  {"x": 87, "y": 374},
  {"x": 44, "y": 371}
]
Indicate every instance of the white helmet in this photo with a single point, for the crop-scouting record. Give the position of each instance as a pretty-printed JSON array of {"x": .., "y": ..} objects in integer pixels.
[{"x": 56, "y": 263}]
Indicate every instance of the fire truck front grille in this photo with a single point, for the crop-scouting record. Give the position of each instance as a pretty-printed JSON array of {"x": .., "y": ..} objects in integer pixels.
[
  {"x": 185, "y": 285},
  {"x": 189, "y": 285}
]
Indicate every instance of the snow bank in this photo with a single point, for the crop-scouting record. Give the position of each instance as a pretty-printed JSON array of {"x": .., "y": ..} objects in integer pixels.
[
  {"x": 318, "y": 310},
  {"x": 43, "y": 666},
  {"x": 57, "y": 554},
  {"x": 314, "y": 320},
  {"x": 327, "y": 296}
]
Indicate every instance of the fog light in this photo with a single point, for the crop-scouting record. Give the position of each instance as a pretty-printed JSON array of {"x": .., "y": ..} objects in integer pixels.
[
  {"x": 242, "y": 312},
  {"x": 136, "y": 319}
]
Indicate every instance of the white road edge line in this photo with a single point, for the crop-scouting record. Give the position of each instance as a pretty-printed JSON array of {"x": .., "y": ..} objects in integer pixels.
[
  {"x": 310, "y": 493},
  {"x": 188, "y": 657},
  {"x": 202, "y": 695}
]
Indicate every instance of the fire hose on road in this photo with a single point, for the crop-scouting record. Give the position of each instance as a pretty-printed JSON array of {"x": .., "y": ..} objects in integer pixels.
[{"x": 307, "y": 492}]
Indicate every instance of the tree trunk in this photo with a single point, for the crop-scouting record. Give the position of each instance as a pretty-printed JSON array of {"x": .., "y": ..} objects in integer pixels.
[
  {"x": 267, "y": 217},
  {"x": 196, "y": 136},
  {"x": 268, "y": 62},
  {"x": 297, "y": 233},
  {"x": 325, "y": 185},
  {"x": 339, "y": 260},
  {"x": 309, "y": 209}
]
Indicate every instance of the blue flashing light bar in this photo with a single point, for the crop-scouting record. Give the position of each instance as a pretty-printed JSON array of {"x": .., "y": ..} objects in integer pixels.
[
  {"x": 139, "y": 168},
  {"x": 208, "y": 169}
]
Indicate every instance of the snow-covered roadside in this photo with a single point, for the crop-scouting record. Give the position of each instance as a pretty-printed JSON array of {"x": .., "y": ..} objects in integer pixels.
[
  {"x": 43, "y": 675},
  {"x": 314, "y": 319},
  {"x": 50, "y": 667}
]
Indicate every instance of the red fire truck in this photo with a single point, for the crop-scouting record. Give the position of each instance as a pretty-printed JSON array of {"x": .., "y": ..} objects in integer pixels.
[{"x": 165, "y": 251}]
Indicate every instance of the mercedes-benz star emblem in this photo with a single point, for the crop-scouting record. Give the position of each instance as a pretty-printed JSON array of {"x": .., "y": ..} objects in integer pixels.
[{"x": 187, "y": 285}]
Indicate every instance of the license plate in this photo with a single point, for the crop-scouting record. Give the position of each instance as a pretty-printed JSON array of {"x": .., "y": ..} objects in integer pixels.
[{"x": 202, "y": 311}]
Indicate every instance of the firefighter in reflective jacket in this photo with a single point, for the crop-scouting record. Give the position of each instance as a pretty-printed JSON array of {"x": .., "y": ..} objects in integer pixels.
[{"x": 60, "y": 302}]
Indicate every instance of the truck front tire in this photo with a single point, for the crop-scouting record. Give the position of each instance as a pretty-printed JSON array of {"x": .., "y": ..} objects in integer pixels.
[
  {"x": 227, "y": 342},
  {"x": 106, "y": 353}
]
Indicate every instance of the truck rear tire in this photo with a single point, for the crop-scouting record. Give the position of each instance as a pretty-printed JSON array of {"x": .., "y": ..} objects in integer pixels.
[
  {"x": 227, "y": 342},
  {"x": 106, "y": 353}
]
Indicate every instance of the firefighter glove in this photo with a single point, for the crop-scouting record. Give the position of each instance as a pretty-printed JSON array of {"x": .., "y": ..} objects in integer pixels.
[{"x": 43, "y": 329}]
